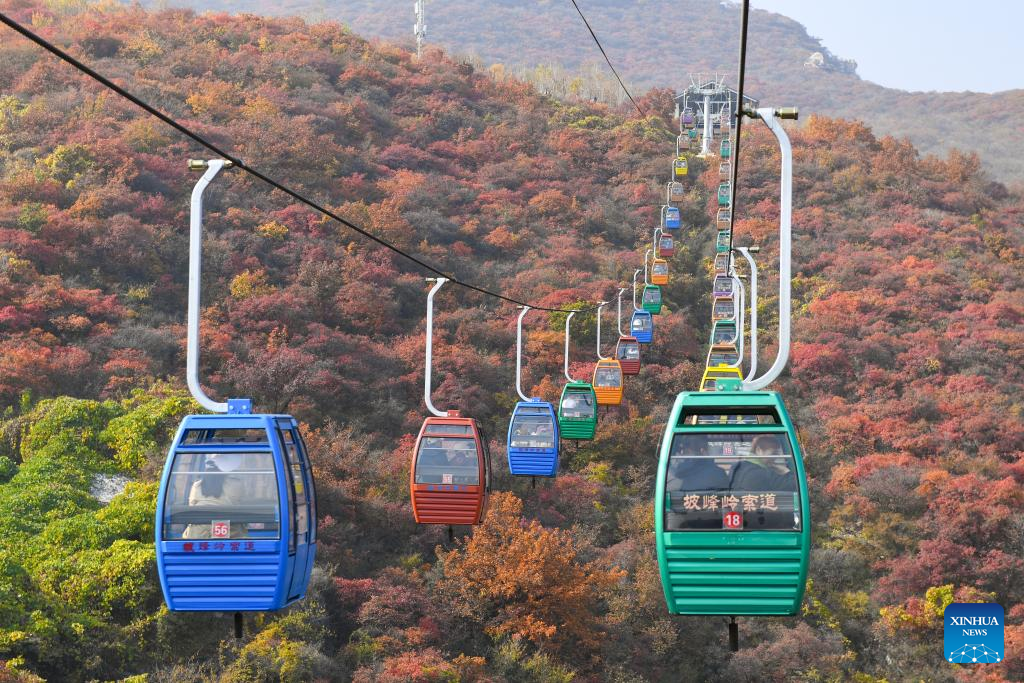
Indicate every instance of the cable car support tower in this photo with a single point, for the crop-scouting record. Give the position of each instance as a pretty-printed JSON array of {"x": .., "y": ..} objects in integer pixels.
[{"x": 419, "y": 29}]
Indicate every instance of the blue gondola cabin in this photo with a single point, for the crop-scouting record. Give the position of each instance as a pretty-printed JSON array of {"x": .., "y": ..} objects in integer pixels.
[
  {"x": 670, "y": 218},
  {"x": 533, "y": 439},
  {"x": 236, "y": 522},
  {"x": 641, "y": 325}
]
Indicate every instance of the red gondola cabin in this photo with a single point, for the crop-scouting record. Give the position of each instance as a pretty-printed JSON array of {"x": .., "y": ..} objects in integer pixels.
[
  {"x": 627, "y": 352},
  {"x": 450, "y": 476},
  {"x": 666, "y": 246}
]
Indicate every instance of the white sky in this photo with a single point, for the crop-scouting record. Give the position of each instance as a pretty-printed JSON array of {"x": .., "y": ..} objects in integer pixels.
[{"x": 920, "y": 44}]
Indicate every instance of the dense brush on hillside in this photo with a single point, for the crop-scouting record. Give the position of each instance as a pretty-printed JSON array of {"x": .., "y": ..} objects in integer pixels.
[
  {"x": 655, "y": 43},
  {"x": 905, "y": 371}
]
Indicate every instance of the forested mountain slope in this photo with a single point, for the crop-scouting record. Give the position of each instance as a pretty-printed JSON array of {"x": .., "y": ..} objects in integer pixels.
[
  {"x": 655, "y": 43},
  {"x": 905, "y": 374}
]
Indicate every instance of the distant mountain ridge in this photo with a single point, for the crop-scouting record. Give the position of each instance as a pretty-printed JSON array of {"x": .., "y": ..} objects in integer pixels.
[{"x": 703, "y": 38}]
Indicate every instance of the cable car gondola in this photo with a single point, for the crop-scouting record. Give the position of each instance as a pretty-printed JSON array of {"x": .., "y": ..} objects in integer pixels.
[
  {"x": 650, "y": 300},
  {"x": 679, "y": 167},
  {"x": 725, "y": 149},
  {"x": 642, "y": 326},
  {"x": 670, "y": 218},
  {"x": 608, "y": 382},
  {"x": 577, "y": 408},
  {"x": 450, "y": 477},
  {"x": 723, "y": 308},
  {"x": 666, "y": 246},
  {"x": 721, "y": 357},
  {"x": 723, "y": 333},
  {"x": 722, "y": 286},
  {"x": 725, "y": 170},
  {"x": 627, "y": 349},
  {"x": 722, "y": 243},
  {"x": 237, "y": 527},
  {"x": 533, "y": 439},
  {"x": 577, "y": 411},
  {"x": 682, "y": 144},
  {"x": 450, "y": 473},
  {"x": 627, "y": 352},
  {"x": 721, "y": 263},
  {"x": 687, "y": 119},
  {"x": 724, "y": 219},
  {"x": 723, "y": 194},
  {"x": 607, "y": 372},
  {"x": 676, "y": 192},
  {"x": 713, "y": 374},
  {"x": 659, "y": 271},
  {"x": 236, "y": 517},
  {"x": 732, "y": 519}
]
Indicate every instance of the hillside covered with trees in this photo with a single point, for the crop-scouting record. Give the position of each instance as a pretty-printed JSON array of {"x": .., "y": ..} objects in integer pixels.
[
  {"x": 904, "y": 379},
  {"x": 655, "y": 43}
]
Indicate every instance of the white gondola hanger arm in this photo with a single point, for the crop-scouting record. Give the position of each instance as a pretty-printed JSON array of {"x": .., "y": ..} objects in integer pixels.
[
  {"x": 745, "y": 251},
  {"x": 738, "y": 297},
  {"x": 195, "y": 283},
  {"x": 771, "y": 119},
  {"x": 519, "y": 353},
  {"x": 568, "y": 319},
  {"x": 618, "y": 319},
  {"x": 599, "y": 307},
  {"x": 438, "y": 283},
  {"x": 635, "y": 273}
]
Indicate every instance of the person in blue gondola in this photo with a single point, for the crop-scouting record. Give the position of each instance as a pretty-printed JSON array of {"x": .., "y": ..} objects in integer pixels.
[
  {"x": 216, "y": 487},
  {"x": 544, "y": 430}
]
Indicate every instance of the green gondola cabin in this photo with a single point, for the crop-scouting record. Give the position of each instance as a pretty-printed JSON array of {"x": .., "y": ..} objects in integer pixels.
[
  {"x": 732, "y": 519},
  {"x": 651, "y": 299},
  {"x": 577, "y": 411},
  {"x": 723, "y": 194}
]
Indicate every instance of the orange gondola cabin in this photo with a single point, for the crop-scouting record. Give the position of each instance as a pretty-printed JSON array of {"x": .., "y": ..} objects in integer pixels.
[
  {"x": 450, "y": 477},
  {"x": 608, "y": 382}
]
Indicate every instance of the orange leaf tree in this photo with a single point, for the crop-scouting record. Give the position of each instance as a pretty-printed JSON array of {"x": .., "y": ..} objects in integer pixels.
[{"x": 527, "y": 582}]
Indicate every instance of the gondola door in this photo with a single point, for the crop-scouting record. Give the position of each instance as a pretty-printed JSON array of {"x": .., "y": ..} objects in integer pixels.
[{"x": 301, "y": 527}]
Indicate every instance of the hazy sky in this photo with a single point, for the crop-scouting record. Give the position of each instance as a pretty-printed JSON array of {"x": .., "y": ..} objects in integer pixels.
[{"x": 920, "y": 44}]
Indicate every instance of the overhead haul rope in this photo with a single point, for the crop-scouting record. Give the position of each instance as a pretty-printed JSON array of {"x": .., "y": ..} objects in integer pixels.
[
  {"x": 605, "y": 55},
  {"x": 735, "y": 144},
  {"x": 187, "y": 132}
]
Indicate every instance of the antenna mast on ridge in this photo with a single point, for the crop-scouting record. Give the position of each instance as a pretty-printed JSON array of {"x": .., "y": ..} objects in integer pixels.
[{"x": 419, "y": 29}]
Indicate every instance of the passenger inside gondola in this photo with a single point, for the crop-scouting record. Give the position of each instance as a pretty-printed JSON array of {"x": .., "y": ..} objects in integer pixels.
[
  {"x": 610, "y": 378},
  {"x": 750, "y": 473},
  {"x": 642, "y": 324},
  {"x": 532, "y": 430},
  {"x": 445, "y": 460},
  {"x": 724, "y": 334},
  {"x": 578, "y": 406},
  {"x": 229, "y": 495},
  {"x": 629, "y": 352}
]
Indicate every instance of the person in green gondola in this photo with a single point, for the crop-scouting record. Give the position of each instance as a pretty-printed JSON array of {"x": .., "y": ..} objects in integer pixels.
[
  {"x": 767, "y": 445},
  {"x": 750, "y": 473},
  {"x": 692, "y": 472}
]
